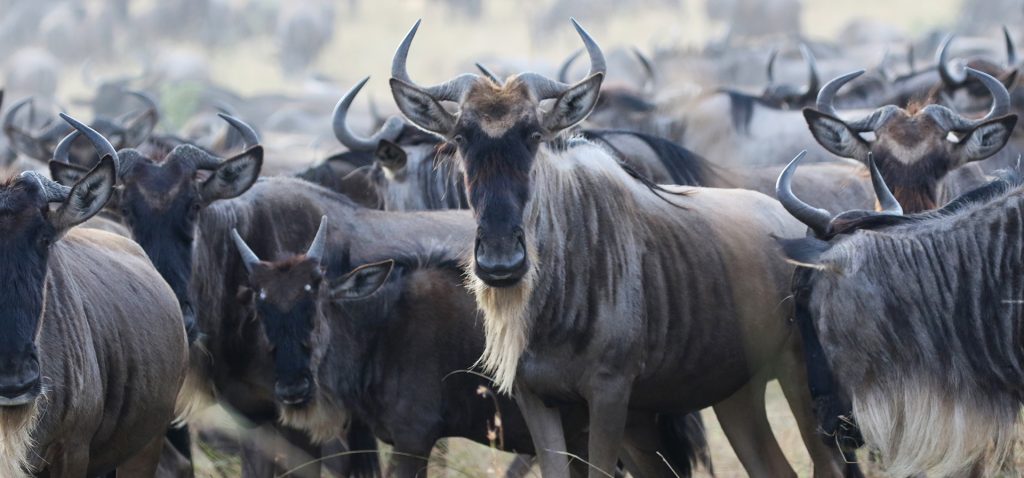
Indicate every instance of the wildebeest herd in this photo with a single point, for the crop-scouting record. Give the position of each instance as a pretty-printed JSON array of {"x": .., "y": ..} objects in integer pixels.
[{"x": 559, "y": 268}]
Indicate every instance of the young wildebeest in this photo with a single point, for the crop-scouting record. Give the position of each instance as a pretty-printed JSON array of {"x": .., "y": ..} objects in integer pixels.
[
  {"x": 93, "y": 352},
  {"x": 920, "y": 318},
  {"x": 588, "y": 278},
  {"x": 394, "y": 343},
  {"x": 912, "y": 146},
  {"x": 170, "y": 210}
]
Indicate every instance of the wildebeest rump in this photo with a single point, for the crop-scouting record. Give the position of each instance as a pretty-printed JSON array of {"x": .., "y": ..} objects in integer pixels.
[{"x": 919, "y": 317}]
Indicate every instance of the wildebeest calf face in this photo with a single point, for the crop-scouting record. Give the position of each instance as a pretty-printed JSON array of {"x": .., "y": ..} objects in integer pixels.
[
  {"x": 285, "y": 296},
  {"x": 28, "y": 228}
]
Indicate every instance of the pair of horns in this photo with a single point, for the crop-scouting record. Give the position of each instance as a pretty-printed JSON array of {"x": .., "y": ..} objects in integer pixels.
[
  {"x": 951, "y": 120},
  {"x": 955, "y": 79},
  {"x": 202, "y": 159},
  {"x": 541, "y": 86},
  {"x": 315, "y": 251},
  {"x": 820, "y": 220}
]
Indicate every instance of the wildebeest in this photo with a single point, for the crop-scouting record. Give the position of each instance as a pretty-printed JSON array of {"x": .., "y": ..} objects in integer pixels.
[
  {"x": 586, "y": 277},
  {"x": 913, "y": 146},
  {"x": 359, "y": 340},
  {"x": 94, "y": 352},
  {"x": 918, "y": 316},
  {"x": 169, "y": 211},
  {"x": 129, "y": 130}
]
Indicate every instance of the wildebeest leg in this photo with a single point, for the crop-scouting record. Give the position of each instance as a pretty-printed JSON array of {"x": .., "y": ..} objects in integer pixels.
[
  {"x": 173, "y": 464},
  {"x": 545, "y": 426},
  {"x": 145, "y": 462},
  {"x": 257, "y": 459},
  {"x": 520, "y": 466},
  {"x": 299, "y": 453},
  {"x": 409, "y": 461},
  {"x": 609, "y": 408},
  {"x": 641, "y": 447},
  {"x": 745, "y": 423},
  {"x": 792, "y": 374},
  {"x": 73, "y": 464}
]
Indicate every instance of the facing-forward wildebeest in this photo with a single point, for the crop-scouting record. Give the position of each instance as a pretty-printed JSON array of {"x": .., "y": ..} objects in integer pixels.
[
  {"x": 171, "y": 211},
  {"x": 93, "y": 352},
  {"x": 919, "y": 317},
  {"x": 588, "y": 278},
  {"x": 912, "y": 146},
  {"x": 394, "y": 342}
]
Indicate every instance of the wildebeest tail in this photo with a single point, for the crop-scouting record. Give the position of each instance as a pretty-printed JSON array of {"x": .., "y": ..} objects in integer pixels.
[
  {"x": 362, "y": 440},
  {"x": 685, "y": 443}
]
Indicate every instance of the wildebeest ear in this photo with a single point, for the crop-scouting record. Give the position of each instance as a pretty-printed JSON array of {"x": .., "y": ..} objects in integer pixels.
[
  {"x": 421, "y": 108},
  {"x": 66, "y": 173},
  {"x": 574, "y": 104},
  {"x": 835, "y": 136},
  {"x": 362, "y": 281},
  {"x": 390, "y": 155},
  {"x": 804, "y": 252},
  {"x": 234, "y": 176},
  {"x": 87, "y": 197},
  {"x": 986, "y": 139}
]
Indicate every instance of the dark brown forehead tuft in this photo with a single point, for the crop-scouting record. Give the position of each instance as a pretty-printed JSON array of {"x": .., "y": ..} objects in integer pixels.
[{"x": 497, "y": 108}]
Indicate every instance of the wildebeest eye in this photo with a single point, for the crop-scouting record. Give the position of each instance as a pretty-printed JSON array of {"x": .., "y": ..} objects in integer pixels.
[
  {"x": 536, "y": 137},
  {"x": 262, "y": 295},
  {"x": 459, "y": 139}
]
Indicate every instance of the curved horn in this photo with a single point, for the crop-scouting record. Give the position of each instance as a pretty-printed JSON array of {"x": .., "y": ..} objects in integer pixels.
[
  {"x": 950, "y": 78},
  {"x": 815, "y": 218},
  {"x": 545, "y": 88},
  {"x": 319, "y": 244},
  {"x": 63, "y": 150},
  {"x": 451, "y": 90},
  {"x": 249, "y": 136},
  {"x": 13, "y": 112},
  {"x": 103, "y": 147},
  {"x": 770, "y": 68},
  {"x": 813, "y": 81},
  {"x": 563, "y": 69},
  {"x": 827, "y": 95},
  {"x": 390, "y": 131},
  {"x": 1000, "y": 96},
  {"x": 650, "y": 75},
  {"x": 249, "y": 258},
  {"x": 886, "y": 200},
  {"x": 488, "y": 73},
  {"x": 148, "y": 101},
  {"x": 1011, "y": 49},
  {"x": 52, "y": 190},
  {"x": 953, "y": 121}
]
